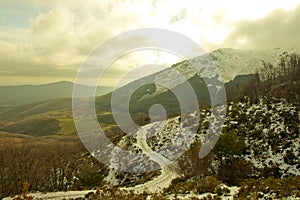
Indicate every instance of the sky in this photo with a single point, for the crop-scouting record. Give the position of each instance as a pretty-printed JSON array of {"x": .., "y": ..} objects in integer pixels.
[{"x": 47, "y": 41}]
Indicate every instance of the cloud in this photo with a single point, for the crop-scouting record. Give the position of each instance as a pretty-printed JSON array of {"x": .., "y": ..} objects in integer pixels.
[
  {"x": 57, "y": 38},
  {"x": 20, "y": 60},
  {"x": 278, "y": 29},
  {"x": 180, "y": 15}
]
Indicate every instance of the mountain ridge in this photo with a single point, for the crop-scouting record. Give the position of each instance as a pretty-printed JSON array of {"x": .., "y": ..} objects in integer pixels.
[
  {"x": 15, "y": 119},
  {"x": 26, "y": 94},
  {"x": 230, "y": 63}
]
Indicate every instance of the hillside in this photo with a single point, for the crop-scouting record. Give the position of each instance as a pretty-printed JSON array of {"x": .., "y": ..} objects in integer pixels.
[
  {"x": 54, "y": 116},
  {"x": 58, "y": 111},
  {"x": 233, "y": 62},
  {"x": 255, "y": 157},
  {"x": 260, "y": 139},
  {"x": 230, "y": 62},
  {"x": 259, "y": 147},
  {"x": 26, "y": 94}
]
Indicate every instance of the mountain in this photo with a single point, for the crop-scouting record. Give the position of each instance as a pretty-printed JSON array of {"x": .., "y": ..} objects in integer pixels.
[
  {"x": 229, "y": 62},
  {"x": 235, "y": 67},
  {"x": 259, "y": 141},
  {"x": 26, "y": 94},
  {"x": 233, "y": 62},
  {"x": 54, "y": 116},
  {"x": 255, "y": 157}
]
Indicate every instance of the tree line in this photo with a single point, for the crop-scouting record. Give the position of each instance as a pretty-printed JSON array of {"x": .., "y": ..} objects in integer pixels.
[
  {"x": 278, "y": 80},
  {"x": 47, "y": 165}
]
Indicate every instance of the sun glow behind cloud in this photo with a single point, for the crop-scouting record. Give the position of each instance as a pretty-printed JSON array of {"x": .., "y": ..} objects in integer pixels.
[{"x": 52, "y": 38}]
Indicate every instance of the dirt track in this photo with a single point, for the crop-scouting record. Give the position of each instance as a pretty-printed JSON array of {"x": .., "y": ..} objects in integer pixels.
[{"x": 168, "y": 169}]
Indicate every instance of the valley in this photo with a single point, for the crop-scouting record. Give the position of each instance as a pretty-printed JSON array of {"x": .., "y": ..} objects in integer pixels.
[{"x": 259, "y": 144}]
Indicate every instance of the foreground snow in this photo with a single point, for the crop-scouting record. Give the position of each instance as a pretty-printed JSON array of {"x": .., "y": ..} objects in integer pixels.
[{"x": 57, "y": 195}]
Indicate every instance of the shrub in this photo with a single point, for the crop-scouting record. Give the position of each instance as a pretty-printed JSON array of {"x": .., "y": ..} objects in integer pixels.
[
  {"x": 207, "y": 184},
  {"x": 279, "y": 188},
  {"x": 24, "y": 195},
  {"x": 221, "y": 190}
]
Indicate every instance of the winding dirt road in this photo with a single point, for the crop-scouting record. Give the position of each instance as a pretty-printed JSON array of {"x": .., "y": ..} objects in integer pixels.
[{"x": 168, "y": 169}]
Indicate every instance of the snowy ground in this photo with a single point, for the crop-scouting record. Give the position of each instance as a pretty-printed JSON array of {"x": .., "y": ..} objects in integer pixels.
[
  {"x": 265, "y": 125},
  {"x": 233, "y": 191},
  {"x": 57, "y": 195},
  {"x": 168, "y": 169}
]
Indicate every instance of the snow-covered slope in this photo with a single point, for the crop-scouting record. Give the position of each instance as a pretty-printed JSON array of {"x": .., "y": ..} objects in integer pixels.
[
  {"x": 229, "y": 62},
  {"x": 270, "y": 128},
  {"x": 234, "y": 62}
]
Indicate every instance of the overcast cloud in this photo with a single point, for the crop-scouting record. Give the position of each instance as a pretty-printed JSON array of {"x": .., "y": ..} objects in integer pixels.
[
  {"x": 278, "y": 29},
  {"x": 43, "y": 40}
]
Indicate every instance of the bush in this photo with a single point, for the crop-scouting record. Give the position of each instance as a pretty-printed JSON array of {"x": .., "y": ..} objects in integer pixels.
[
  {"x": 207, "y": 184},
  {"x": 221, "y": 190},
  {"x": 279, "y": 188},
  {"x": 202, "y": 185},
  {"x": 24, "y": 195}
]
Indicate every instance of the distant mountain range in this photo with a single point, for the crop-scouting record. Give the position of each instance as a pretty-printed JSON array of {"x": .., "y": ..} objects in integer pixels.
[
  {"x": 230, "y": 63},
  {"x": 53, "y": 101},
  {"x": 54, "y": 116},
  {"x": 26, "y": 94}
]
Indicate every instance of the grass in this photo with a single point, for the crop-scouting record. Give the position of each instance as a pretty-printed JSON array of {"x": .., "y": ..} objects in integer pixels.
[
  {"x": 36, "y": 109},
  {"x": 34, "y": 127},
  {"x": 67, "y": 127}
]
